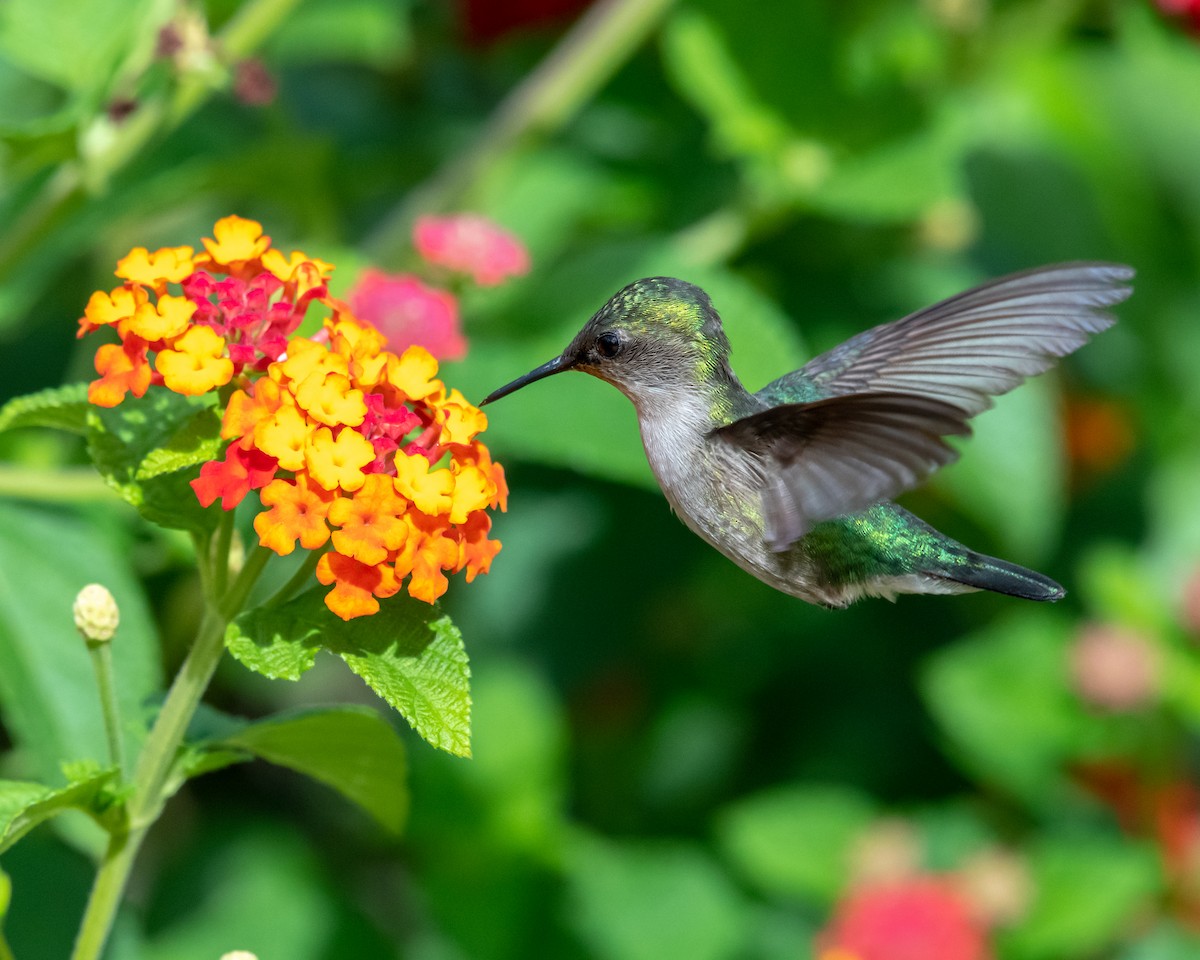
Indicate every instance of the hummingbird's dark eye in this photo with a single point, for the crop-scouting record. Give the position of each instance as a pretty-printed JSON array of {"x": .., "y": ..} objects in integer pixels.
[{"x": 608, "y": 344}]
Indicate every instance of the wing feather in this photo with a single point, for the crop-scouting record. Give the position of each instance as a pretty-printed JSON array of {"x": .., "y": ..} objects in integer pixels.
[
  {"x": 842, "y": 454},
  {"x": 890, "y": 394},
  {"x": 974, "y": 346}
]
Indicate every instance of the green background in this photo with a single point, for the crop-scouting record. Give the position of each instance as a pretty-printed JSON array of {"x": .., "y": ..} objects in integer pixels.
[{"x": 670, "y": 759}]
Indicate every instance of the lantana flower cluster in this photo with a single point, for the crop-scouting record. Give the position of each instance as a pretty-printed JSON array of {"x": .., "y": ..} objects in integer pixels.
[{"x": 356, "y": 451}]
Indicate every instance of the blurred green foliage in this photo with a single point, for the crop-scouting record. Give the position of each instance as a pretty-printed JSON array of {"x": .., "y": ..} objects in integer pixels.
[{"x": 670, "y": 760}]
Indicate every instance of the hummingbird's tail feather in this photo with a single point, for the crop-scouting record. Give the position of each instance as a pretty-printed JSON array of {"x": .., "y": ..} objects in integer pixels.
[
  {"x": 885, "y": 550},
  {"x": 991, "y": 573}
]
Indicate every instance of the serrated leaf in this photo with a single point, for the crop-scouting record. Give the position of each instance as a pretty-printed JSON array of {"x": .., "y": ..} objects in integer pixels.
[
  {"x": 23, "y": 805},
  {"x": 795, "y": 841},
  {"x": 121, "y": 439},
  {"x": 408, "y": 653},
  {"x": 61, "y": 408},
  {"x": 280, "y": 642},
  {"x": 415, "y": 659},
  {"x": 353, "y": 750},
  {"x": 196, "y": 442}
]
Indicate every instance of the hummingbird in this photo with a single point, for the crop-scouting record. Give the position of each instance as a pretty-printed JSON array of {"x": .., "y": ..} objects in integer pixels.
[{"x": 795, "y": 483}]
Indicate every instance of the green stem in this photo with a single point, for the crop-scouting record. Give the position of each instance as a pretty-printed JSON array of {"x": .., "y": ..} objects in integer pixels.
[
  {"x": 220, "y": 554},
  {"x": 591, "y": 52},
  {"x": 152, "y": 773},
  {"x": 103, "y": 665},
  {"x": 69, "y": 484},
  {"x": 302, "y": 576}
]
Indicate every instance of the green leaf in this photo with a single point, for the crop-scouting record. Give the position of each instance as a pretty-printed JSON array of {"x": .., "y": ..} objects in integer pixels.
[
  {"x": 704, "y": 72},
  {"x": 62, "y": 408},
  {"x": 621, "y": 893},
  {"x": 353, "y": 750},
  {"x": 73, "y": 44},
  {"x": 47, "y": 682},
  {"x": 24, "y": 805},
  {"x": 1002, "y": 700},
  {"x": 1166, "y": 942},
  {"x": 260, "y": 889},
  {"x": 415, "y": 660},
  {"x": 1089, "y": 890},
  {"x": 371, "y": 32},
  {"x": 279, "y": 642},
  {"x": 408, "y": 653},
  {"x": 795, "y": 841},
  {"x": 133, "y": 443},
  {"x": 197, "y": 441}
]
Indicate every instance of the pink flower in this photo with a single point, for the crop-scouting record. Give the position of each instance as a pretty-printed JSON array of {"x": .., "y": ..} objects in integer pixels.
[
  {"x": 1115, "y": 668},
  {"x": 1191, "y": 602},
  {"x": 917, "y": 919},
  {"x": 409, "y": 313},
  {"x": 471, "y": 244}
]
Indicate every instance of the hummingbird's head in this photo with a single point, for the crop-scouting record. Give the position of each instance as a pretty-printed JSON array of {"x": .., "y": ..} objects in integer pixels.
[{"x": 655, "y": 334}]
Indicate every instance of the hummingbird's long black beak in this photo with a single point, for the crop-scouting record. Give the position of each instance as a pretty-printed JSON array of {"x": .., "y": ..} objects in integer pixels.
[{"x": 557, "y": 365}]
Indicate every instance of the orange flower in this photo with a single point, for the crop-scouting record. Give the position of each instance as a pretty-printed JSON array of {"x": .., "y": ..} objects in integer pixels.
[
  {"x": 298, "y": 510},
  {"x": 356, "y": 585},
  {"x": 372, "y": 522},
  {"x": 123, "y": 369}
]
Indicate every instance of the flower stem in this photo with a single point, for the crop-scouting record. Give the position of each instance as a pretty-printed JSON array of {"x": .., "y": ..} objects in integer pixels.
[
  {"x": 152, "y": 775},
  {"x": 590, "y": 53},
  {"x": 302, "y": 576},
  {"x": 103, "y": 665}
]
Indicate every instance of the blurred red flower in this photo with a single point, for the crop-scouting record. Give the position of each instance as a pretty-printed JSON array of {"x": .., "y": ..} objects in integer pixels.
[
  {"x": 471, "y": 244},
  {"x": 487, "y": 21},
  {"x": 917, "y": 919},
  {"x": 409, "y": 313},
  {"x": 1187, "y": 10}
]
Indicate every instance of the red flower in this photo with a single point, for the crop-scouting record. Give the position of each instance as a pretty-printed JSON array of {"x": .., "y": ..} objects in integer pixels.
[
  {"x": 487, "y": 20},
  {"x": 408, "y": 313},
  {"x": 917, "y": 919},
  {"x": 1186, "y": 10}
]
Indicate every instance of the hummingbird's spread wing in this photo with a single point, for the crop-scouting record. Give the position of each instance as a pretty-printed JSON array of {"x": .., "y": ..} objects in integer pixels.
[
  {"x": 884, "y": 399},
  {"x": 972, "y": 347},
  {"x": 841, "y": 454}
]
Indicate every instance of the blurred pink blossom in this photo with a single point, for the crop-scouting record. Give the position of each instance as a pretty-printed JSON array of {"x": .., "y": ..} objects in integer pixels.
[
  {"x": 471, "y": 244},
  {"x": 1115, "y": 668},
  {"x": 1191, "y": 602},
  {"x": 408, "y": 312},
  {"x": 922, "y": 918}
]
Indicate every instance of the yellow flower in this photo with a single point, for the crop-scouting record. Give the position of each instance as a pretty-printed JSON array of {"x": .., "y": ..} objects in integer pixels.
[{"x": 195, "y": 363}]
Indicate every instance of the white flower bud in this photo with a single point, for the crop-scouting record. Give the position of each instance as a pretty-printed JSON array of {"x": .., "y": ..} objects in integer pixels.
[
  {"x": 96, "y": 614},
  {"x": 238, "y": 955}
]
